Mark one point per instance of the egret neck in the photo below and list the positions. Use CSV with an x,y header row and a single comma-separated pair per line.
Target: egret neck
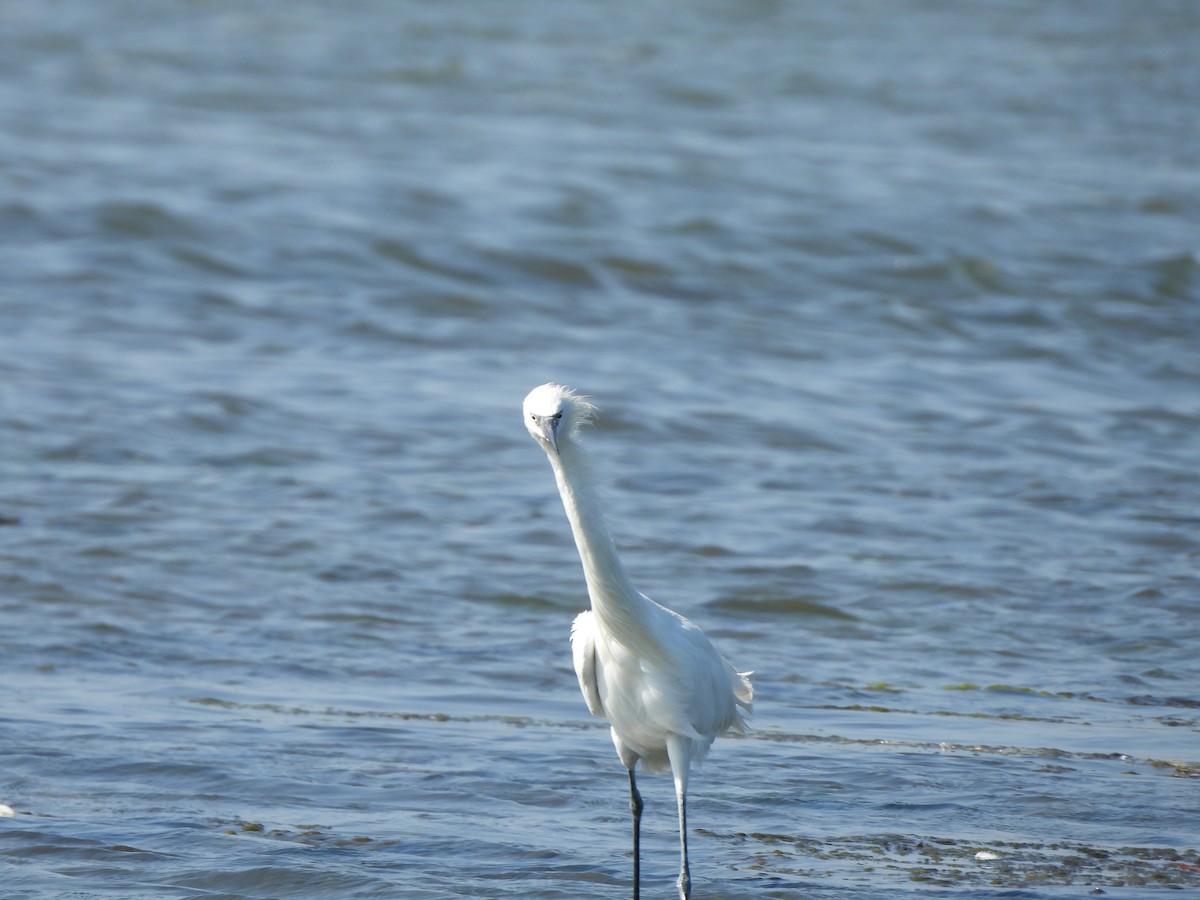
x,y
622,610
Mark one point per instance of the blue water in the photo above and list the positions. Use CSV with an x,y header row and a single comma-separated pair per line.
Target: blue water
x,y
892,315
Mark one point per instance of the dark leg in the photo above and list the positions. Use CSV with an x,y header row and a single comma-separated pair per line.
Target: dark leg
x,y
635,807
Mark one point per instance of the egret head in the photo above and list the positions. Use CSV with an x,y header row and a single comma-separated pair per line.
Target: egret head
x,y
554,414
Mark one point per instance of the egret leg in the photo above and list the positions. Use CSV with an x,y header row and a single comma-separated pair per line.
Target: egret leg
x,y
635,807
679,749
685,877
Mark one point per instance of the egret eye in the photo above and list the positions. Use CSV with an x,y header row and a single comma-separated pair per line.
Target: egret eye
x,y
558,415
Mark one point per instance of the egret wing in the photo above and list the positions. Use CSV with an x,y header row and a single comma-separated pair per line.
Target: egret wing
x,y
583,651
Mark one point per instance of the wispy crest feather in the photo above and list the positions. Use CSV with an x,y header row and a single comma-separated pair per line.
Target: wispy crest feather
x,y
577,410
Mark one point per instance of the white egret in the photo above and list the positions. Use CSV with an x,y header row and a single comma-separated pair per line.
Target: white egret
x,y
656,678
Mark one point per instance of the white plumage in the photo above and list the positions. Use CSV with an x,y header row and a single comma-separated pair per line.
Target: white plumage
x,y
656,678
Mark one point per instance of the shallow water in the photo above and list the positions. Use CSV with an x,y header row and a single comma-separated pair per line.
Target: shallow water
x,y
892,314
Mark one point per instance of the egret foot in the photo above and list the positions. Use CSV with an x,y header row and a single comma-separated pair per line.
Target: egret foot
x,y
685,885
